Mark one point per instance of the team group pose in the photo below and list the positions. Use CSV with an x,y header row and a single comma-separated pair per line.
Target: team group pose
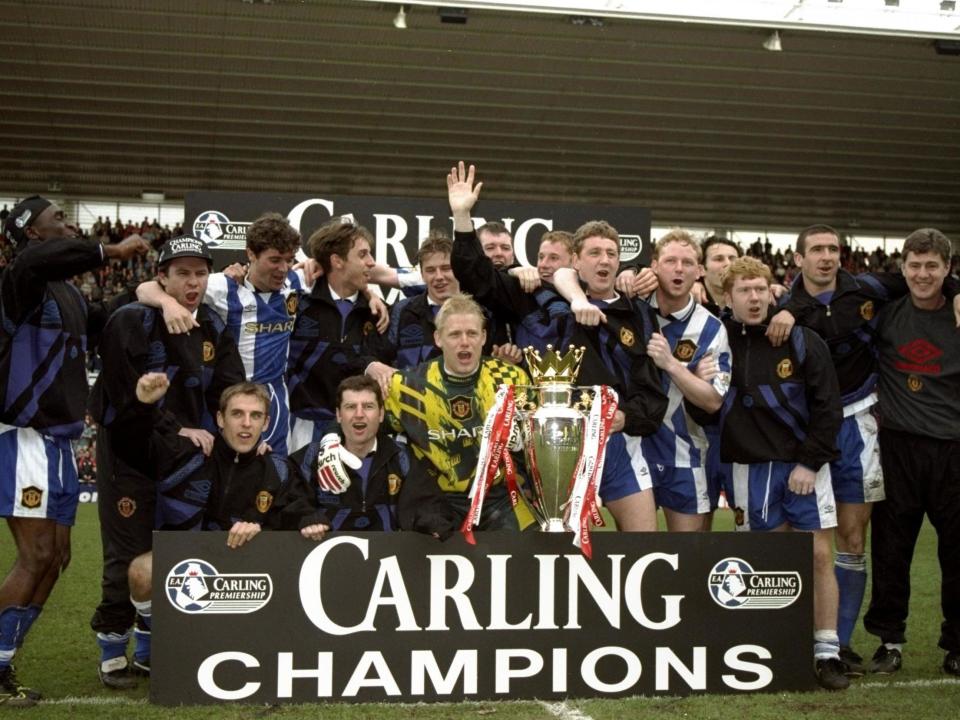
x,y
275,397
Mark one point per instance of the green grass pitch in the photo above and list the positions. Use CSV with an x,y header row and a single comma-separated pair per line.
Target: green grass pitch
x,y
60,658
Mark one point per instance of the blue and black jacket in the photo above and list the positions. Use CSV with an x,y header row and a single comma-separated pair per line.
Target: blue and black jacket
x,y
195,492
616,355
537,319
44,324
848,323
324,350
784,402
200,365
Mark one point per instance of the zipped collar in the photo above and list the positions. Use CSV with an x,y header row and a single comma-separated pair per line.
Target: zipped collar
x,y
226,453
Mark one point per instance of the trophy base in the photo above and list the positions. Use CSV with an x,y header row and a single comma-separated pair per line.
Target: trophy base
x,y
553,525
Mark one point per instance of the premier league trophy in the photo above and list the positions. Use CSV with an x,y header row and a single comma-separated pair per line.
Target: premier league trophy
x,y
563,429
552,414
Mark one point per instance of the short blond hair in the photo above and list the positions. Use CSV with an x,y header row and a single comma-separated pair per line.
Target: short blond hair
x,y
677,235
459,304
746,268
245,388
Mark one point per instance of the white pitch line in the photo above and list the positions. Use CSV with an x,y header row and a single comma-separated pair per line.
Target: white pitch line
x,y
558,710
563,711
93,700
905,683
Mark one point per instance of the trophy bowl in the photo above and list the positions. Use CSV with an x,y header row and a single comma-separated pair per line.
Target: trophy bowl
x,y
552,430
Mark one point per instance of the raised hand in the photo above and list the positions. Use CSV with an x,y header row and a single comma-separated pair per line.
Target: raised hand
x,y
461,191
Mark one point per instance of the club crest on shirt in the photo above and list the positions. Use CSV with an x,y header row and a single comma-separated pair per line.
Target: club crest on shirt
x,y
784,368
460,407
31,497
367,327
208,351
867,310
914,383
393,483
126,506
627,337
264,501
685,350
291,303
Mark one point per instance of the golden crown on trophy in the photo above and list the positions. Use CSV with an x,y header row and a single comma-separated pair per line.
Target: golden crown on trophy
x,y
553,367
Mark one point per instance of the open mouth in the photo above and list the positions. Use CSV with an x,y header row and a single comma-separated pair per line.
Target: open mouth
x,y
359,427
464,356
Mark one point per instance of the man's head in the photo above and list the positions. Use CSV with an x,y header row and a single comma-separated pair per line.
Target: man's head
x,y
460,334
746,290
676,261
359,410
596,248
497,244
183,270
926,262
243,415
35,219
556,251
818,257
272,243
718,253
435,269
343,251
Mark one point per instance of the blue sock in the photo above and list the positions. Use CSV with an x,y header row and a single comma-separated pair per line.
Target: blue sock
x,y
29,618
112,645
851,572
11,637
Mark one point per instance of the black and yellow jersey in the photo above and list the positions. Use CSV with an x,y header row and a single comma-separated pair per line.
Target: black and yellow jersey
x,y
442,415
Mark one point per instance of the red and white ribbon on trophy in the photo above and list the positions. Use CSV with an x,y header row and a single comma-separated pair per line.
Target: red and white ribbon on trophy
x,y
582,509
582,502
493,452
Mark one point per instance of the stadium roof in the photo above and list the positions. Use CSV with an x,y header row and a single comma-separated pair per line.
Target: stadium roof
x,y
695,120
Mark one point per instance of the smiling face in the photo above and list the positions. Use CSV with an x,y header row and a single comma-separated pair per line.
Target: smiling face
x,y
242,422
51,223
819,262
498,247
354,270
597,264
749,299
550,257
359,416
268,270
437,273
677,268
925,273
185,280
461,340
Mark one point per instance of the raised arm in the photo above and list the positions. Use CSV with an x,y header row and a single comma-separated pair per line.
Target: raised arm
x,y
567,283
176,317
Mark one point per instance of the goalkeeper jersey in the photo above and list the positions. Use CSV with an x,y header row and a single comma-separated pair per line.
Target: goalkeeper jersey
x,y
442,416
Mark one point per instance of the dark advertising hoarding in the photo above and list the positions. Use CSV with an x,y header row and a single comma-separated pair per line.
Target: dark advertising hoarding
x,y
403,617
